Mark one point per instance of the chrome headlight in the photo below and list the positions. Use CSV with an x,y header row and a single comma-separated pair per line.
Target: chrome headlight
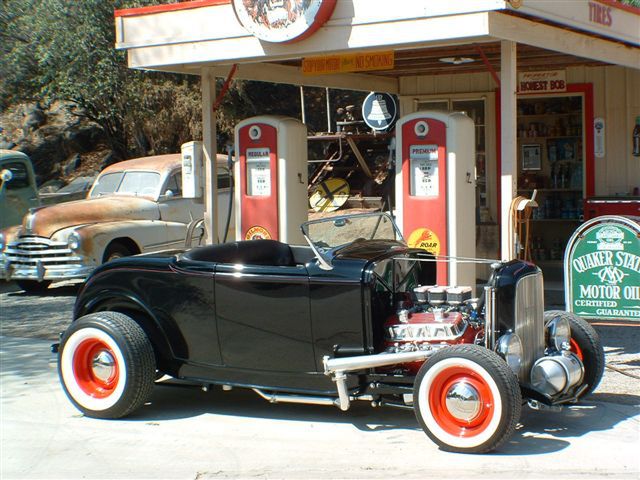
x,y
74,241
509,347
559,333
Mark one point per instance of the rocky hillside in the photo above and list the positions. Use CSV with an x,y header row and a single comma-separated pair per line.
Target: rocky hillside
x,y
60,144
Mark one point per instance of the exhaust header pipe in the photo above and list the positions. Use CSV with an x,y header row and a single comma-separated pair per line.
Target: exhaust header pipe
x,y
339,366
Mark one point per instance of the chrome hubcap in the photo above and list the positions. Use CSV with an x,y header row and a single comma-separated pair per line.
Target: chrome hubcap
x,y
103,366
463,401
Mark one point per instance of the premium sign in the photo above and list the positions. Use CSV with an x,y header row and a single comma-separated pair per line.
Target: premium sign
x,y
603,266
542,82
357,62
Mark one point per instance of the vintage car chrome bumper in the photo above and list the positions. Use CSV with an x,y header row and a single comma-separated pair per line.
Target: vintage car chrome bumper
x,y
38,258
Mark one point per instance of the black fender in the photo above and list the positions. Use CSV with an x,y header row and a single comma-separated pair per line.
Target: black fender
x,y
168,343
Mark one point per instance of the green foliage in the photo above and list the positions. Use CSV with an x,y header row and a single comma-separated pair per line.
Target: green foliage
x,y
61,50
57,50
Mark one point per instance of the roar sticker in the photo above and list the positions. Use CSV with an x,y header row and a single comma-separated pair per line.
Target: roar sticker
x,y
425,239
257,233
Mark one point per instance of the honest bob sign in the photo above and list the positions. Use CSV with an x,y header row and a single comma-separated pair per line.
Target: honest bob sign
x,y
548,81
602,269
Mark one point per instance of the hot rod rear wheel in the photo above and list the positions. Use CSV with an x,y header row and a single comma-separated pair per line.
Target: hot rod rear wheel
x,y
106,365
586,344
467,399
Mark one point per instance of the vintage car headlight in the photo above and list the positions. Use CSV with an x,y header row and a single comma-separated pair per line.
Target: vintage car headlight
x,y
73,241
509,347
559,333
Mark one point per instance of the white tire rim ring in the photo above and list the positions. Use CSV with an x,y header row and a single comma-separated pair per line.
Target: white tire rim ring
x,y
69,377
431,422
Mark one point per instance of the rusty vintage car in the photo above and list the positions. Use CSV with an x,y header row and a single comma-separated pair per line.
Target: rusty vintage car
x,y
135,206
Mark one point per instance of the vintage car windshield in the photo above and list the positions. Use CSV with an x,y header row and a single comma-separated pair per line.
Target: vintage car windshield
x,y
329,234
20,178
127,183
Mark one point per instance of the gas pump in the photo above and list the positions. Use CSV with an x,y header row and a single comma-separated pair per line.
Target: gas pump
x,y
435,189
191,169
271,179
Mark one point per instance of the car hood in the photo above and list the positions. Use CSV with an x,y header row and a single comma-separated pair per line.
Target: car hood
x,y
45,221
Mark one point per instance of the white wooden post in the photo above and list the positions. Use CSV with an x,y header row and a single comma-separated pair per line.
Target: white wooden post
x,y
209,156
508,130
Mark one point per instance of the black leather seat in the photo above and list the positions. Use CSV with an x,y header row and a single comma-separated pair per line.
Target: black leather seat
x,y
250,252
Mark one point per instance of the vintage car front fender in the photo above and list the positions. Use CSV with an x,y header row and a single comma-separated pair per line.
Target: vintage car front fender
x,y
147,235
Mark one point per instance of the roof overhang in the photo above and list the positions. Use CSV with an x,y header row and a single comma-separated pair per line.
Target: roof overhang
x,y
189,36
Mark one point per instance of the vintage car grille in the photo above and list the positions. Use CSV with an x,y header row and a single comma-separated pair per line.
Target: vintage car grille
x,y
28,251
529,321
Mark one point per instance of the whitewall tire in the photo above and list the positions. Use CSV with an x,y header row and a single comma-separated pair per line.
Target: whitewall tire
x,y
106,365
467,399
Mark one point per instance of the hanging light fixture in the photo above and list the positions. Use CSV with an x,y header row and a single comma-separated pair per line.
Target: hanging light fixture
x,y
457,60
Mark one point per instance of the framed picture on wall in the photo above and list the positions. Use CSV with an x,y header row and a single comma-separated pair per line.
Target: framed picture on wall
x,y
531,156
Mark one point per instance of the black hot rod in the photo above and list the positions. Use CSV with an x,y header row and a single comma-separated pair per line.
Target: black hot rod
x,y
356,315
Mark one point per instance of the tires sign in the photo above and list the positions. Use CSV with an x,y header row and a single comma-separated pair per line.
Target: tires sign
x,y
602,269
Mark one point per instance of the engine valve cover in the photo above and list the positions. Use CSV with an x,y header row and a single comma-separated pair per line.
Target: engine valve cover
x,y
423,327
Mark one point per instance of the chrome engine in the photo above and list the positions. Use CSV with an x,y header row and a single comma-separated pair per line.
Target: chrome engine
x,y
437,316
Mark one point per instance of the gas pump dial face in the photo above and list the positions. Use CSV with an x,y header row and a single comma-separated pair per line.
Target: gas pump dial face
x,y
258,172
424,170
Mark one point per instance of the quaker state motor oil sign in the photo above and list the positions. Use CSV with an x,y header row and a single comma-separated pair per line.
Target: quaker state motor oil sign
x,y
602,269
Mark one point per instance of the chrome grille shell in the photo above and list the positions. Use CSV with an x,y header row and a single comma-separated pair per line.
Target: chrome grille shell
x,y
38,258
529,321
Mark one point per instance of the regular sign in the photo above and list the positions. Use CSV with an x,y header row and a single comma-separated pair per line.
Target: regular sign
x,y
602,269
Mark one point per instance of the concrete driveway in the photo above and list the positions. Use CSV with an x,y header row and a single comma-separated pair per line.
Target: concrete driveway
x,y
186,433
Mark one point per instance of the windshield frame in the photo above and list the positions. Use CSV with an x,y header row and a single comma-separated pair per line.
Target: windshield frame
x,y
326,254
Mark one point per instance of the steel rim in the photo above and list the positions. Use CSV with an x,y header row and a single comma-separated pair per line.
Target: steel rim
x,y
450,420
575,348
95,368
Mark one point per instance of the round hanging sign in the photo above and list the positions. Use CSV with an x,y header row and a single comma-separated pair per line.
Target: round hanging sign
x,y
282,21
379,110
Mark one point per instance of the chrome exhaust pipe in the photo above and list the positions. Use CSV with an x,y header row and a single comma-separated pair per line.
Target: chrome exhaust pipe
x,y
280,398
349,364
339,366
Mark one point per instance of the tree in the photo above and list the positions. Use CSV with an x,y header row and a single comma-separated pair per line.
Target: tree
x,y
56,50
60,50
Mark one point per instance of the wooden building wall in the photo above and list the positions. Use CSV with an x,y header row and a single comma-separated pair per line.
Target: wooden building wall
x,y
616,92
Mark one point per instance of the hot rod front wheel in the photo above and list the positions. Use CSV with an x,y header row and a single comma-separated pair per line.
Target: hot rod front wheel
x,y
106,365
586,345
467,399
